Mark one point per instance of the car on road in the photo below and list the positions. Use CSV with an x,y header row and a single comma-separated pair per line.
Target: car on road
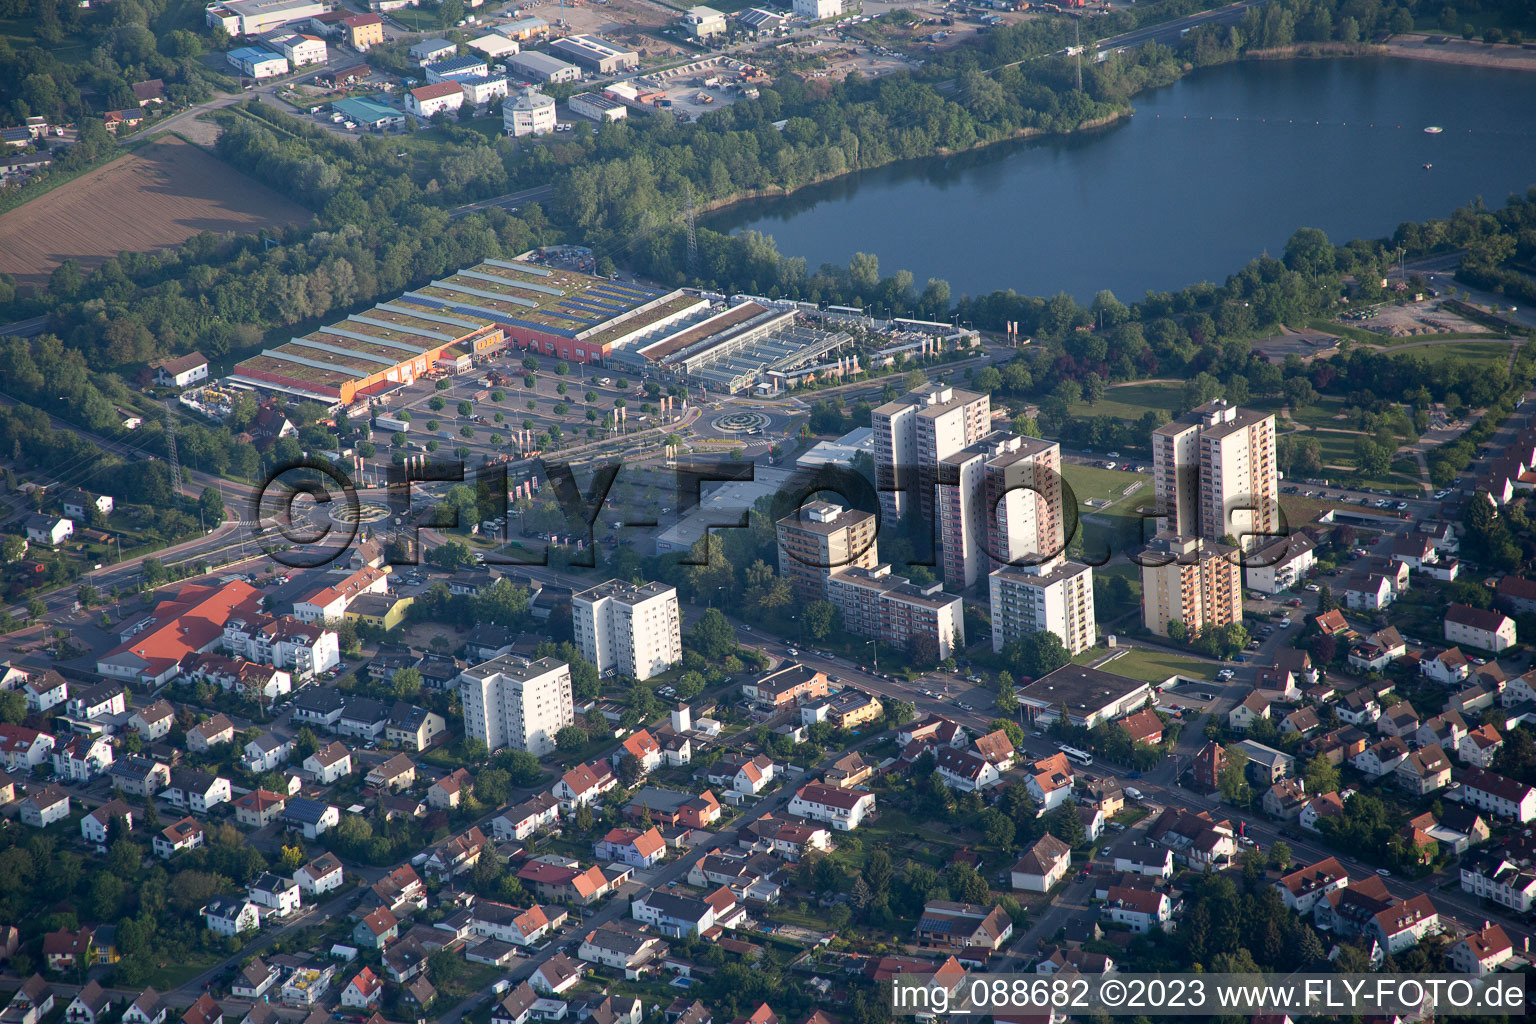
x,y
1384,873
1133,774
1224,675
1311,588
1285,623
791,652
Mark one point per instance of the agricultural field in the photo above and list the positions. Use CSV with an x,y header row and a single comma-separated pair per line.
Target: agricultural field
x,y
160,195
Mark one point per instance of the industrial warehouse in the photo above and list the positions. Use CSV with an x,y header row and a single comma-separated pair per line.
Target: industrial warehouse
x,y
562,313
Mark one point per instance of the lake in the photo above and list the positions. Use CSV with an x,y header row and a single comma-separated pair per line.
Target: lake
x,y
1210,172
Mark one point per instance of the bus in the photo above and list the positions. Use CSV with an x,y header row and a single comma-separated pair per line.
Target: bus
x,y
1082,757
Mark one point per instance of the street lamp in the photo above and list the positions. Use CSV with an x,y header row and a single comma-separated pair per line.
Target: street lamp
x,y
876,645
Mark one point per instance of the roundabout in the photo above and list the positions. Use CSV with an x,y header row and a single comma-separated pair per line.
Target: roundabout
x,y
741,422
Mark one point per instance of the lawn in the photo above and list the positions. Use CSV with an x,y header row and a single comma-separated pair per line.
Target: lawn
x,y
1155,665
1133,401
1491,353
169,976
1321,413
1090,483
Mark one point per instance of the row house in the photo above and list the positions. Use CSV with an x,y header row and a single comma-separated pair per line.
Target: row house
x,y
555,882
1500,796
303,649
1495,876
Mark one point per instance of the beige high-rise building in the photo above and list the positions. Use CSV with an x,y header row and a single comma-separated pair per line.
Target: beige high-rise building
x,y
821,539
1191,580
634,629
1214,474
999,502
1054,597
916,431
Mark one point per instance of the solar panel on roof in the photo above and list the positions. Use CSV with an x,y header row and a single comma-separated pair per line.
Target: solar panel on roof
x,y
547,328
594,307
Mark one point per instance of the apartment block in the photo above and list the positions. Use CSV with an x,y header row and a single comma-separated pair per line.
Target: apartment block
x,y
1191,580
913,433
510,703
1055,596
877,603
821,539
635,630
1214,474
998,501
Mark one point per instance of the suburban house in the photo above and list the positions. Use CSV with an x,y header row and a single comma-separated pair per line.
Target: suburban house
x,y
329,763
843,809
1044,864
1480,628
186,834
639,849
1498,795
1141,909
964,926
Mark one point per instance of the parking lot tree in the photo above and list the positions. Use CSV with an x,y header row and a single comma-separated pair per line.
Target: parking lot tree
x,y
590,396
690,685
466,408
562,388
451,555
622,383
498,395
437,403
367,449
443,385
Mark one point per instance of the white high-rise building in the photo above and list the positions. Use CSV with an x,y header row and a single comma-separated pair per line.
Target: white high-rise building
x,y
1214,473
1055,596
516,705
636,630
999,502
913,433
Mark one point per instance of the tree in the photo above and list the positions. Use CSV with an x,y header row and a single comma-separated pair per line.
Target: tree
x,y
524,768
1320,775
1035,654
818,618
11,548
713,636
405,683
493,784
1177,631
1233,779
13,707
1007,699
211,504
570,739
1280,854
1325,599
1064,824
631,771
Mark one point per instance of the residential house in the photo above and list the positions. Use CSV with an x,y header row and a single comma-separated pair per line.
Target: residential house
x,y
227,915
843,809
1324,805
255,980
1479,628
64,949
613,946
82,758
154,721
1479,747
965,771
96,826
1249,710
1380,758
1142,726
259,808
1400,720
673,914
204,736
1404,924
517,925
1044,863
89,703
377,929
640,849
396,774
1049,782
964,926
744,774
312,818
329,763
1196,839
584,784
1285,800
457,855
196,791
276,895
642,746
139,776
363,991
1375,651
1154,860
1358,707
1481,952
44,805
522,821
1302,888
320,875
266,753
848,771
1424,771
556,976
1500,796
1449,667
186,834
90,1005
1141,909
413,727
445,793
148,1008
1500,878
516,1007
44,691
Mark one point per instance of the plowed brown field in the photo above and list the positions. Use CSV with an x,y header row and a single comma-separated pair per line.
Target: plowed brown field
x,y
158,196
